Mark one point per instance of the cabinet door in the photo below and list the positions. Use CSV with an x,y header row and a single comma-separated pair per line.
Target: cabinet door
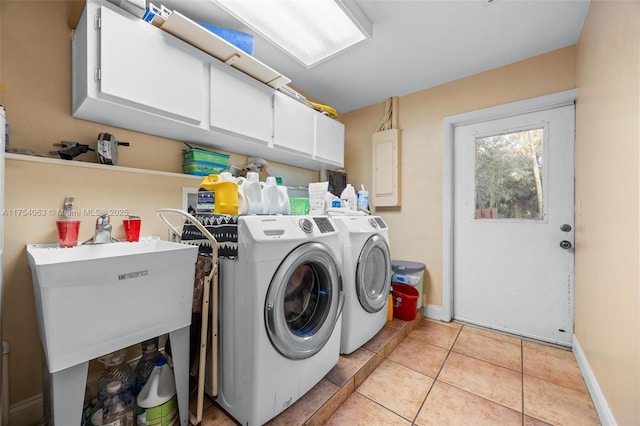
x,y
142,66
240,107
293,125
329,142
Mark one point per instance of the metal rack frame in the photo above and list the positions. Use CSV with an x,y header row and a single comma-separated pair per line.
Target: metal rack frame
x,y
210,291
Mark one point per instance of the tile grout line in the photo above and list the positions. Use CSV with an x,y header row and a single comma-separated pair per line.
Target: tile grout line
x,y
398,330
413,422
491,362
488,362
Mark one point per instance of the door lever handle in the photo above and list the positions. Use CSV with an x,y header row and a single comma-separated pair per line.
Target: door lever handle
x,y
565,244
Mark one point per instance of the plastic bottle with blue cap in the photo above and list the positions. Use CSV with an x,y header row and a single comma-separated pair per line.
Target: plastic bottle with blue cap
x,y
363,199
157,403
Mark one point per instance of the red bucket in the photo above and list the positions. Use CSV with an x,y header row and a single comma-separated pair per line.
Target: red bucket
x,y
405,301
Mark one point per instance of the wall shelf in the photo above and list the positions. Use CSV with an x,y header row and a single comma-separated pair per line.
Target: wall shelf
x,y
82,164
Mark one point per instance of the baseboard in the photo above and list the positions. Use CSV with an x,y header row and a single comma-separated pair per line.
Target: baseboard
x,y
433,312
599,401
27,412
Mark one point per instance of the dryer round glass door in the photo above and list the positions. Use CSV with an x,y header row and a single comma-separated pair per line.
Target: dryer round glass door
x,y
304,301
373,274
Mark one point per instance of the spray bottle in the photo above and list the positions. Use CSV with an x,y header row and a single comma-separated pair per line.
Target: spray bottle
x,y
363,199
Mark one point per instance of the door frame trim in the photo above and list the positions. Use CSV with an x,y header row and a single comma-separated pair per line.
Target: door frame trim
x,y
449,124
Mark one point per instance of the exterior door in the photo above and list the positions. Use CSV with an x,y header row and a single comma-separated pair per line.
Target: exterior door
x,y
304,301
513,260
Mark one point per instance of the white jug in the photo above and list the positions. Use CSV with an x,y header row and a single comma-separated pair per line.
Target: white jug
x,y
284,207
157,399
253,194
243,205
226,176
274,199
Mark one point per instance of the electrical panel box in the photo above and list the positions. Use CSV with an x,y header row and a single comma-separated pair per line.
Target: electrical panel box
x,y
386,168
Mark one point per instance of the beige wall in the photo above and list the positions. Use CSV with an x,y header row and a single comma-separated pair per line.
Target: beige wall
x,y
416,226
607,202
44,186
35,70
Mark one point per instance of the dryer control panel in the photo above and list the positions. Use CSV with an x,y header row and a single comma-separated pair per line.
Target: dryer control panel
x,y
324,224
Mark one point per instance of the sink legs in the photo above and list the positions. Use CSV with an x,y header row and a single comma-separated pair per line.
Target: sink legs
x,y
180,354
66,387
67,394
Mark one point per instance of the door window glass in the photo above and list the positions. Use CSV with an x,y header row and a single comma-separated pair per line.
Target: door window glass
x,y
508,175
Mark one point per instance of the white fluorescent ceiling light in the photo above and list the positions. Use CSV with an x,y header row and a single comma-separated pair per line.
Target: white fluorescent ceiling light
x,y
311,31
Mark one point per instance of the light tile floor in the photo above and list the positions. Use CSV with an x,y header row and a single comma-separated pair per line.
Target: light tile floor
x,y
427,372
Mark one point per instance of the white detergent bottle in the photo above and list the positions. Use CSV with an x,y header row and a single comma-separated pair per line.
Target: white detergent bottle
x,y
243,205
253,194
271,196
157,402
283,205
349,199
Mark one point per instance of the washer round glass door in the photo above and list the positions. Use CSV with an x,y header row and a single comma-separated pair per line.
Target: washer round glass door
x,y
304,301
373,274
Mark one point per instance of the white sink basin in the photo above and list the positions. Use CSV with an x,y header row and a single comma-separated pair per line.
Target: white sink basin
x,y
93,299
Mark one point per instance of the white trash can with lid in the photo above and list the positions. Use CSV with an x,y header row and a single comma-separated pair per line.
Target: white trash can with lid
x,y
411,273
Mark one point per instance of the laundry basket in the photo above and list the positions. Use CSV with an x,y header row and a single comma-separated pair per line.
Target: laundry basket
x,y
405,301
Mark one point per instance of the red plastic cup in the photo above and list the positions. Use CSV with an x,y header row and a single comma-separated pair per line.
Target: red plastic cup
x,y
68,232
132,229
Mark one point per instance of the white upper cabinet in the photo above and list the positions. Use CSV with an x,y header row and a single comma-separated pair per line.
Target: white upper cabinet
x,y
148,70
293,124
240,106
329,141
130,74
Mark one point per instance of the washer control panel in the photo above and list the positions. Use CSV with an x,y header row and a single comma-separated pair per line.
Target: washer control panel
x,y
306,225
324,224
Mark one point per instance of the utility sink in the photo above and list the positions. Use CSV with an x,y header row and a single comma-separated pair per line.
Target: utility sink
x,y
94,299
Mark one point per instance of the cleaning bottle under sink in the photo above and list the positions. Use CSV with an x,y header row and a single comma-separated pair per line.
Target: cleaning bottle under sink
x,y
157,404
116,369
117,408
146,364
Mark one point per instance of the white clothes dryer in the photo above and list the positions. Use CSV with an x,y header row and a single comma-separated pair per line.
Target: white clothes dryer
x,y
280,314
366,275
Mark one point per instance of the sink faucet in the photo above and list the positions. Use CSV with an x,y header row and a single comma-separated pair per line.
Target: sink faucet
x,y
103,231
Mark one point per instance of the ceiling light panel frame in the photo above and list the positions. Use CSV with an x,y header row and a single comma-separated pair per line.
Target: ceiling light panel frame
x,y
308,36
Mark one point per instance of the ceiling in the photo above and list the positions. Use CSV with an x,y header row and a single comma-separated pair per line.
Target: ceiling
x,y
417,44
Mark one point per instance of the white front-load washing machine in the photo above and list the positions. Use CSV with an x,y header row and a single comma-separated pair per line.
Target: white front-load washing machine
x,y
366,276
280,314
